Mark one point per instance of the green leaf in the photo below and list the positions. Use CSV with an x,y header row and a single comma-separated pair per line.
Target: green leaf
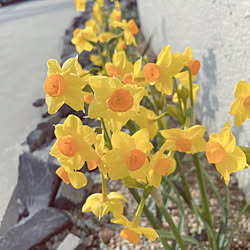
x,y
170,236
223,225
236,225
173,111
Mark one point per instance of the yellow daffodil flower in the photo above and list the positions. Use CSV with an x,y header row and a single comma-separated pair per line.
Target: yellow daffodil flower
x,y
223,152
73,145
82,38
240,108
161,73
113,101
129,155
145,119
189,140
160,165
80,5
100,205
132,232
119,66
194,65
63,85
130,29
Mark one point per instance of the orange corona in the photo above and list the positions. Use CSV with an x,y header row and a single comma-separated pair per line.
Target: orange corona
x,y
152,72
135,159
54,85
68,145
120,101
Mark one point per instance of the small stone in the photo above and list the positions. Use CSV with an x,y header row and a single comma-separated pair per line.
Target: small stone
x,y
39,102
70,242
68,197
35,183
35,229
105,234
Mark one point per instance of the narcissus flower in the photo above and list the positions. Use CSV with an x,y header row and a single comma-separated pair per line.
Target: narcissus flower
x,y
145,119
119,66
161,73
190,140
194,65
240,108
132,232
129,155
80,5
82,38
130,29
100,205
223,152
160,165
115,102
63,85
73,145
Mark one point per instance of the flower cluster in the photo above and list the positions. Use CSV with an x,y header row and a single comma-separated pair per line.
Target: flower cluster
x,y
131,96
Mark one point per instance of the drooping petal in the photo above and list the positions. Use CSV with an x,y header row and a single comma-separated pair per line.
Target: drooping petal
x,y
77,179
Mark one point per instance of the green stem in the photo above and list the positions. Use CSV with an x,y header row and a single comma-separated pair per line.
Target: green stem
x,y
132,127
106,135
139,211
172,227
191,88
153,96
178,95
149,216
183,178
204,199
104,188
148,213
161,116
99,50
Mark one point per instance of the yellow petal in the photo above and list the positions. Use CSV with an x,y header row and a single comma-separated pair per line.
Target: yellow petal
x,y
122,140
53,67
242,88
154,177
141,138
164,58
150,233
115,195
177,64
77,179
54,103
164,84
